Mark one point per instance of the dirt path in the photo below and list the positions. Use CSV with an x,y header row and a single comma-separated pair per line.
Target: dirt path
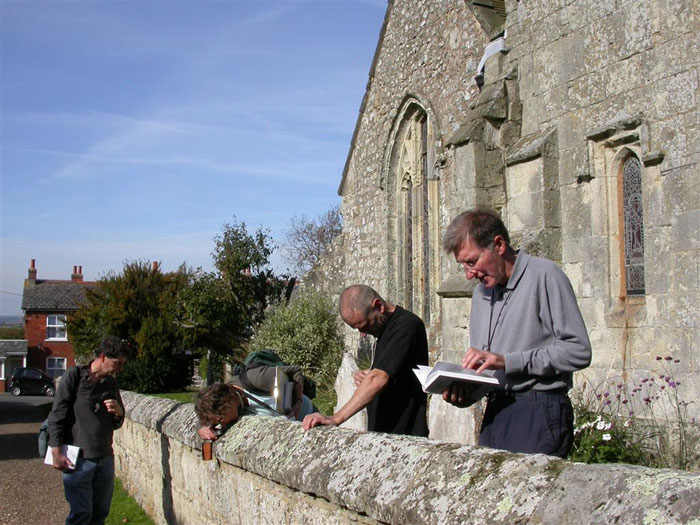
x,y
30,492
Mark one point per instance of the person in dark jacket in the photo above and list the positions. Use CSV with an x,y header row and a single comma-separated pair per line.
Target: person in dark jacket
x,y
86,411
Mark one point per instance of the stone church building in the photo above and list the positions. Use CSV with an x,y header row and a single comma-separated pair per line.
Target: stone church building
x,y
578,121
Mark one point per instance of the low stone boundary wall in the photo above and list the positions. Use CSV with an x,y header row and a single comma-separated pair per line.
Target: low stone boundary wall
x,y
268,470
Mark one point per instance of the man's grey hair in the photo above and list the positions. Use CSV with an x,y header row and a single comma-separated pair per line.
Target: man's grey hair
x,y
357,298
480,225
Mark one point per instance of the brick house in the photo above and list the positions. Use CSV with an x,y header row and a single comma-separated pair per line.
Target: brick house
x,y
46,304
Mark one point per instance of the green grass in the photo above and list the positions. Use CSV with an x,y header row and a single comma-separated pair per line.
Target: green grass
x,y
124,509
182,397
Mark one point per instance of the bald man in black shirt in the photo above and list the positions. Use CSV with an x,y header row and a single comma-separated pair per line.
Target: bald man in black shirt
x,y
395,402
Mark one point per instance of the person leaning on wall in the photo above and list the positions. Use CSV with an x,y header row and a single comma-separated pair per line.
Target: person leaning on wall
x,y
395,401
249,392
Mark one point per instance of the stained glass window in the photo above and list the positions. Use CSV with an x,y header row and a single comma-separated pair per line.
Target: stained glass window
x,y
634,226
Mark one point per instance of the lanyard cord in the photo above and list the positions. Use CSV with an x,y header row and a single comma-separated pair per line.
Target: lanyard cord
x,y
498,317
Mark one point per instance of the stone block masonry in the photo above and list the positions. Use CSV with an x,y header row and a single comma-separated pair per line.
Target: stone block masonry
x,y
268,470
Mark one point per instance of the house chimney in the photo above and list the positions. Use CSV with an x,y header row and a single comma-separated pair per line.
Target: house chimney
x,y
31,278
77,275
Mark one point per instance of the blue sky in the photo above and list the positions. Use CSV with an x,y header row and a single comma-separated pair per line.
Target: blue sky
x,y
137,129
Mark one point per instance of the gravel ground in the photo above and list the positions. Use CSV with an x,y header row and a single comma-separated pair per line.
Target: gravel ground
x,y
30,492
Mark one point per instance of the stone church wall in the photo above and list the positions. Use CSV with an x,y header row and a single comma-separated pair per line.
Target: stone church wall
x,y
608,78
268,470
579,87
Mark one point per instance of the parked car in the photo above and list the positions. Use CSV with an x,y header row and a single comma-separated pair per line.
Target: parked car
x,y
31,381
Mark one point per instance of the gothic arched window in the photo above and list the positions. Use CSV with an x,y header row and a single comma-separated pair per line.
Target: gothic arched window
x,y
633,225
415,220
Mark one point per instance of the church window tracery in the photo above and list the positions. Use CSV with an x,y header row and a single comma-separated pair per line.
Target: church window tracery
x,y
633,219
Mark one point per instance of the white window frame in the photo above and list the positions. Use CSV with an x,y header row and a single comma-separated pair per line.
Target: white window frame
x,y
59,324
51,371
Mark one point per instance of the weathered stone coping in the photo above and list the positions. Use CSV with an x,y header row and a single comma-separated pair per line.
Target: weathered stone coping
x,y
398,479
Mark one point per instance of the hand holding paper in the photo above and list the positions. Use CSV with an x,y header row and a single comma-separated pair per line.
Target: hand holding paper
x,y
64,457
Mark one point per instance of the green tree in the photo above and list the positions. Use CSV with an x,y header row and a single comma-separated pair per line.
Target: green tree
x,y
208,317
220,310
139,305
162,314
241,259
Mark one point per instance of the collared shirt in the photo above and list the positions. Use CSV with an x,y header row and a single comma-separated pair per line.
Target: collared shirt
x,y
533,321
79,416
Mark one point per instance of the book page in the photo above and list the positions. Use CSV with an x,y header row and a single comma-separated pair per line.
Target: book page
x,y
422,373
70,451
445,369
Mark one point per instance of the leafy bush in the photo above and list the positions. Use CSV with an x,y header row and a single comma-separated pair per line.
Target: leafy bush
x,y
306,332
643,422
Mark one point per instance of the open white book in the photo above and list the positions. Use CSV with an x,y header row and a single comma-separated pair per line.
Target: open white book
x,y
70,451
436,379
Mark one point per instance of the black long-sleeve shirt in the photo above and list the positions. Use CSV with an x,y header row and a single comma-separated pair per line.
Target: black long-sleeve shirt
x,y
79,416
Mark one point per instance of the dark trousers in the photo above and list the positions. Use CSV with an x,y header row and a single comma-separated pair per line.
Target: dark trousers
x,y
88,490
530,422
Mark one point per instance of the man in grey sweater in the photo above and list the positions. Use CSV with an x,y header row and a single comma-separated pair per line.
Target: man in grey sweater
x,y
525,324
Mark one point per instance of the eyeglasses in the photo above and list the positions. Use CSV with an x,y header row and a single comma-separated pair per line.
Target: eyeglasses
x,y
471,263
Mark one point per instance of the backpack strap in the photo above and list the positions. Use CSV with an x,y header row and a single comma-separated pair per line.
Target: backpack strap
x,y
251,397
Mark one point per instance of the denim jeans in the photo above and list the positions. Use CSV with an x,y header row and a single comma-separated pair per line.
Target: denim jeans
x,y
88,490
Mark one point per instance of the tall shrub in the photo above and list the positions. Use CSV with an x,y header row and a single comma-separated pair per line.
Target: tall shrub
x,y
305,332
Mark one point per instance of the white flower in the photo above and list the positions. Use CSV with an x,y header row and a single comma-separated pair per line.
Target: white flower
x,y
607,437
628,423
602,425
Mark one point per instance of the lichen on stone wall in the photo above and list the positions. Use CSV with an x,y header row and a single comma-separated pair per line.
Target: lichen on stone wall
x,y
272,470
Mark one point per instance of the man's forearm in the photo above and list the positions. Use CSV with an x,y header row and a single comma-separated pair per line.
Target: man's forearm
x,y
372,384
